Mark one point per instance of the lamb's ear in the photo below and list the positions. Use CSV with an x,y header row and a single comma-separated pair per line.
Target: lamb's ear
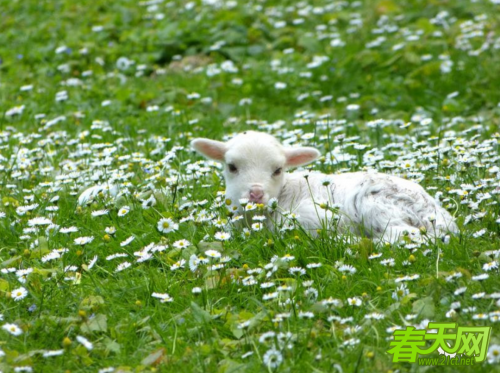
x,y
300,156
210,148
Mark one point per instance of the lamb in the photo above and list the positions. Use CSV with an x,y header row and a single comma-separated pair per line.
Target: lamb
x,y
375,205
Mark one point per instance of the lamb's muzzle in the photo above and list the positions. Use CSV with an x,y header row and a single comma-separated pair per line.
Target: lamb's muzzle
x,y
256,193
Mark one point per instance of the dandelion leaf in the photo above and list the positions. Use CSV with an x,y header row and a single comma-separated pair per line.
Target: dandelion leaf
x,y
154,358
99,323
424,307
200,314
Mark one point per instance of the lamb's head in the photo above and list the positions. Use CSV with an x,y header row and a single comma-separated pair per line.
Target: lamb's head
x,y
254,164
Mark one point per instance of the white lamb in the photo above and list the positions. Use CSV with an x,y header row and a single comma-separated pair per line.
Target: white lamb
x,y
370,204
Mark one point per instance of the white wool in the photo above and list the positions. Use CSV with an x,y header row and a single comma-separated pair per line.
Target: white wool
x,y
369,204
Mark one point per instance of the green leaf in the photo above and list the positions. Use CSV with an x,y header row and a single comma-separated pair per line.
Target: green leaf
x,y
42,249
483,258
200,314
4,285
424,307
43,245
174,253
205,246
91,302
45,272
9,262
99,323
319,307
154,358
231,366
112,345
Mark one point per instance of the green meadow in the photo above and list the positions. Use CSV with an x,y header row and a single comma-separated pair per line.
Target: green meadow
x,y
156,273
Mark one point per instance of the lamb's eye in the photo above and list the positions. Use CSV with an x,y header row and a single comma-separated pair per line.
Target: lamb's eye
x,y
232,168
277,172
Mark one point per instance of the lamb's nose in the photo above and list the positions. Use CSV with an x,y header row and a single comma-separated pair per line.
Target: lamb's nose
x,y
256,194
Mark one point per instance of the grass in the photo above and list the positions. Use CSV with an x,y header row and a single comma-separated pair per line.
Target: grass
x,y
409,88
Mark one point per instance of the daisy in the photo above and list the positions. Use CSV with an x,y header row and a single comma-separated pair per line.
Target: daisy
x,y
216,267
51,353
127,241
351,342
68,230
388,262
244,324
270,296
12,329
19,294
347,268
123,211
245,233
181,244
92,262
83,240
52,229
250,206
225,259
313,265
306,315
193,263
257,226
110,230
272,358
222,236
491,265
22,274
99,213
355,301
272,204
375,316
259,218
39,221
85,342
479,233
297,270
249,281
213,254
164,297
122,266
114,256
280,85
151,201
450,314
177,265
167,225
265,337
267,285
494,354
401,292
284,288
480,277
